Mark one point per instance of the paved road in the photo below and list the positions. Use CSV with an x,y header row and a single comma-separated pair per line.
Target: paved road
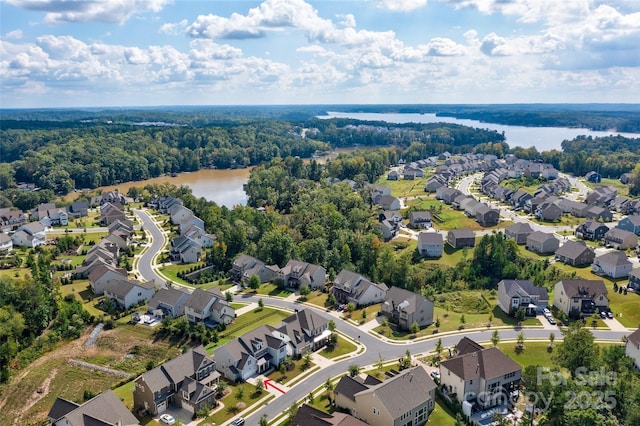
x,y
157,242
375,347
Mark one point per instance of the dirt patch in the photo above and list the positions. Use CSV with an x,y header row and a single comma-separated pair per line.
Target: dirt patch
x,y
40,393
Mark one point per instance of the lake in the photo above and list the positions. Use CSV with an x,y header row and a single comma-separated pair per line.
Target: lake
x,y
543,138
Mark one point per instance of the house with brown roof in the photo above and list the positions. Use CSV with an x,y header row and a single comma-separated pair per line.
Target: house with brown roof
x,y
127,293
483,377
388,202
188,382
309,416
350,287
208,306
460,238
591,230
620,239
613,264
11,218
577,297
575,253
109,213
542,243
168,302
104,274
245,266
519,232
406,398
296,273
105,409
404,307
632,347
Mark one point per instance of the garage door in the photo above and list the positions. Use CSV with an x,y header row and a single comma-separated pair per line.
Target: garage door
x,y
162,406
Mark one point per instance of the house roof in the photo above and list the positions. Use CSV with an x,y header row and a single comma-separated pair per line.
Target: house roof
x,y
519,228
420,216
104,409
309,416
635,338
592,225
430,238
169,296
540,236
462,233
523,288
614,258
634,219
196,390
572,249
486,363
403,392
60,408
403,299
120,288
618,233
575,288
466,346
175,370
101,270
348,386
199,299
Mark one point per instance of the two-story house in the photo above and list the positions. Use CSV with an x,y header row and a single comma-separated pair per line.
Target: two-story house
x,y
632,347
591,230
169,301
126,293
634,280
296,273
350,287
245,266
519,232
577,297
420,220
516,294
304,331
430,244
209,306
620,239
404,399
484,377
404,307
105,409
31,234
460,238
104,274
542,243
575,253
188,382
630,223
613,264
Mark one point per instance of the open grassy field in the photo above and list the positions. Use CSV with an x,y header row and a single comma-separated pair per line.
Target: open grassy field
x,y
535,352
405,188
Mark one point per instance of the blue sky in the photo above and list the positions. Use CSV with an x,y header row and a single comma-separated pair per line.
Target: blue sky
x,y
66,53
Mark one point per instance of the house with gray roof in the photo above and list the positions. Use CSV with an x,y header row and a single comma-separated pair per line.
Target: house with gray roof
x,y
591,230
548,212
6,245
430,244
185,250
599,213
620,239
613,264
516,294
245,266
387,202
127,293
350,287
634,280
304,331
519,232
208,306
484,378
104,274
575,253
632,347
105,409
542,243
487,216
31,234
188,381
460,238
109,213
420,220
578,297
307,415
168,302
630,223
404,307
406,398
296,273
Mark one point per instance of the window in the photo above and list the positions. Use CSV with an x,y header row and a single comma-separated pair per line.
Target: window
x,y
510,375
376,411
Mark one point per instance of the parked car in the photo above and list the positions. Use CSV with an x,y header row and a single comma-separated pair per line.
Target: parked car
x,y
546,311
167,419
435,374
551,320
237,422
609,314
603,315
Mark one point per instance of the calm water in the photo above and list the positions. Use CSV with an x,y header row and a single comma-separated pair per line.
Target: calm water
x,y
543,138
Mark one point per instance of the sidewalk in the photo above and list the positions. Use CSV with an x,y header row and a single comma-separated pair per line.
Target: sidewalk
x,y
614,325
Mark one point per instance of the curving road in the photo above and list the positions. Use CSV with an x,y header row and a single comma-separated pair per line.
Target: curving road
x,y
375,347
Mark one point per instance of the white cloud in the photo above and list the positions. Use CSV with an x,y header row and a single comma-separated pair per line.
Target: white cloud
x,y
173,28
347,20
401,5
112,11
13,35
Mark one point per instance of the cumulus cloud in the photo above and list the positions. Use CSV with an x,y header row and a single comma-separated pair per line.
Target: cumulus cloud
x,y
401,5
173,28
13,35
112,11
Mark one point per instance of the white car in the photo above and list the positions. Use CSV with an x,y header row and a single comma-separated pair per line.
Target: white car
x,y
167,419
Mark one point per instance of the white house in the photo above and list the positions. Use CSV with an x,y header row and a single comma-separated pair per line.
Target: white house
x,y
128,293
31,234
430,244
632,348
613,264
6,245
208,306
349,287
104,274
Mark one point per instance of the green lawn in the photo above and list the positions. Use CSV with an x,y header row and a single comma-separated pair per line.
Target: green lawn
x,y
233,404
405,188
296,370
171,272
269,289
535,353
343,347
441,415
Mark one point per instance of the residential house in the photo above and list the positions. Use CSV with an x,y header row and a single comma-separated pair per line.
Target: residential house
x,y
165,203
105,409
620,239
601,196
124,226
447,194
31,234
420,219
434,183
404,399
393,175
255,352
296,273
198,235
430,244
634,280
304,331
630,223
349,287
593,177
103,253
78,209
126,293
6,245
577,297
516,294
599,213
178,213
378,191
483,377
109,213
591,230
486,216
245,266
542,243
113,197
632,347
579,209
188,381
388,229
519,198
548,212
306,415
56,216
575,253
190,221
185,250
208,306
104,274
613,264
394,217
404,308
387,202
459,238
519,232
10,219
626,178
168,302
119,239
